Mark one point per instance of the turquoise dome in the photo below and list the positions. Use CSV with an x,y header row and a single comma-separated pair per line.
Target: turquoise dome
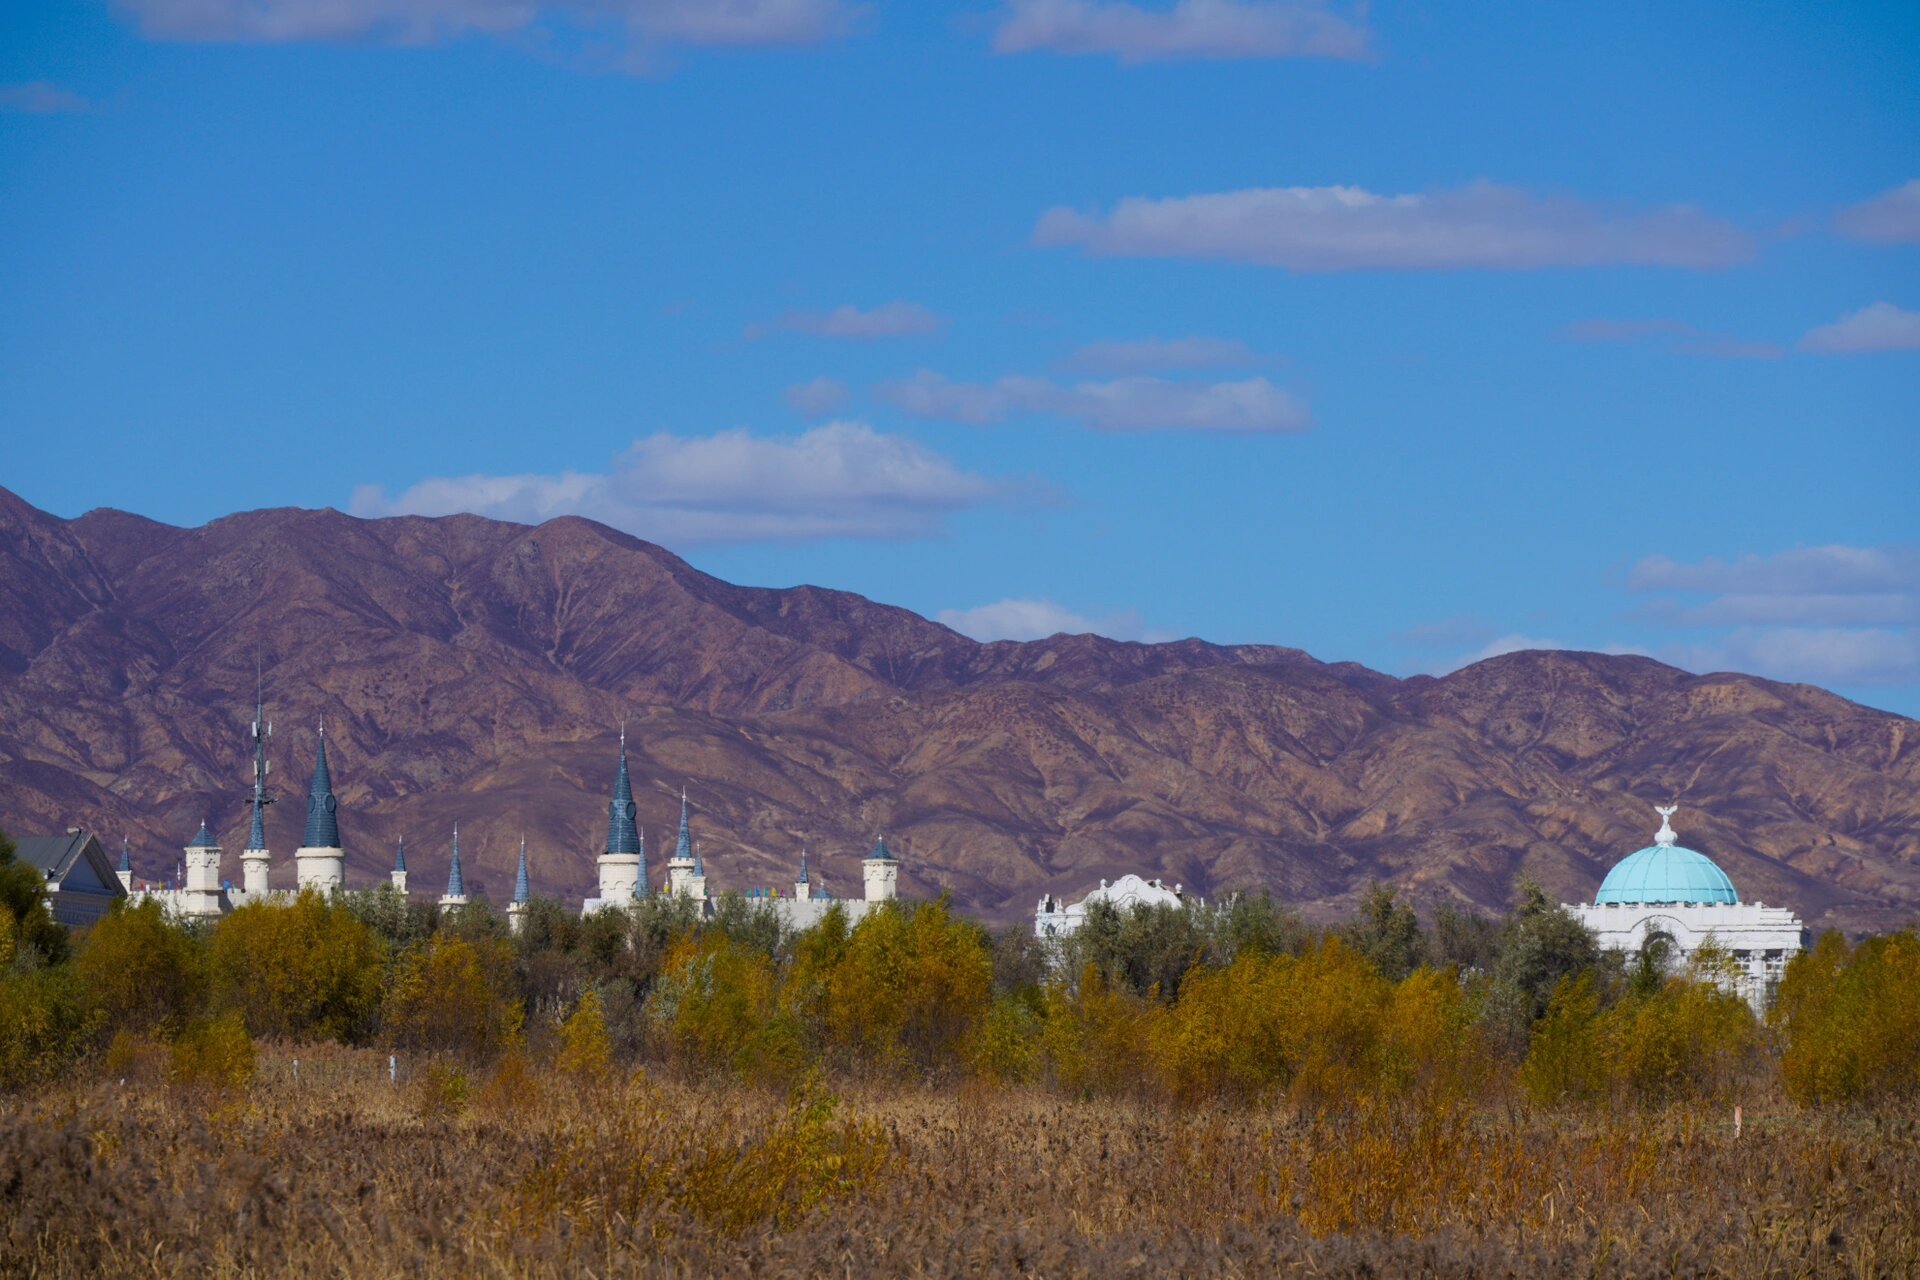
x,y
1666,873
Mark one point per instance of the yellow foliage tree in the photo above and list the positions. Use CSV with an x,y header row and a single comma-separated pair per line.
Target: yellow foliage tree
x,y
141,972
586,1051
305,968
1565,1063
717,1000
1850,1017
911,986
456,995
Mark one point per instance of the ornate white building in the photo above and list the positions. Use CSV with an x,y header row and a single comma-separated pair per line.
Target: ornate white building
x,y
1056,919
1675,899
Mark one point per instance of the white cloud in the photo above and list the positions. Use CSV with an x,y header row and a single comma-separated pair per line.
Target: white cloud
x,y
1252,406
841,480
1819,571
1516,642
889,320
1820,655
38,98
817,398
1833,614
1680,338
1149,355
1892,217
1029,619
1879,327
1135,33
645,22
1348,229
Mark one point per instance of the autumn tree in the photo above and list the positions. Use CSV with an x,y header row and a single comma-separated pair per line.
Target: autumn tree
x,y
455,995
141,971
304,968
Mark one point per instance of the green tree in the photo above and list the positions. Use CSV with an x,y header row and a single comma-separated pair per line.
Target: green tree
x,y
1386,932
27,925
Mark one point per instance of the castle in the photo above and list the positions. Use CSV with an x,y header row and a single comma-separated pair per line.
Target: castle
x,y
320,861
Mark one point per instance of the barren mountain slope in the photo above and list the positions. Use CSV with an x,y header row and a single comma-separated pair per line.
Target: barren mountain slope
x,y
478,671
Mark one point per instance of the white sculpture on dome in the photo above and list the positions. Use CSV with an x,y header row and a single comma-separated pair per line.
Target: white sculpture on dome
x,y
1666,834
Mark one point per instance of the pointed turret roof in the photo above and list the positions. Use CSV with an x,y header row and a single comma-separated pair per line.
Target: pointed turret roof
x,y
622,835
203,838
880,852
803,866
400,855
456,883
323,829
126,856
521,889
683,847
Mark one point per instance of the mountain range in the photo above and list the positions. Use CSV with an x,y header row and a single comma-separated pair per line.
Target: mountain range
x,y
480,672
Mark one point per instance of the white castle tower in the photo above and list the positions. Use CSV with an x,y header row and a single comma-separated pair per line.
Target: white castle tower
x,y
623,863
803,887
126,866
200,898
320,863
254,859
882,872
399,872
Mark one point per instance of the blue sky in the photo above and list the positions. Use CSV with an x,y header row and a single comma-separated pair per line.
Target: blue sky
x,y
1402,334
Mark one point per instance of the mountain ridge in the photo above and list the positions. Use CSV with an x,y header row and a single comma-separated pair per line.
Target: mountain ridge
x,y
475,670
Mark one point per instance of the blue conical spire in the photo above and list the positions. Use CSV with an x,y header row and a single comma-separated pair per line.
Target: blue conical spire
x,y
622,835
203,838
521,889
456,883
126,856
683,848
257,833
400,855
803,866
323,829
880,851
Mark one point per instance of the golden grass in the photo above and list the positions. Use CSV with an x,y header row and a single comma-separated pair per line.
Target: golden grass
x,y
542,1174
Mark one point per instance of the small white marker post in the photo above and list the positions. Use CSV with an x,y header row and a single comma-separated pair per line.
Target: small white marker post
x,y
296,1071
393,1069
1736,1124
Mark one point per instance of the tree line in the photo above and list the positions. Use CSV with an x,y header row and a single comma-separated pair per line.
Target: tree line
x,y
1235,1000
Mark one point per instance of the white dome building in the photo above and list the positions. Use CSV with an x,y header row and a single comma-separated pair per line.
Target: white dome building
x,y
1666,895
1056,919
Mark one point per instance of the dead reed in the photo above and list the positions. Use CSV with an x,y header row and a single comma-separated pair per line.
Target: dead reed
x,y
528,1171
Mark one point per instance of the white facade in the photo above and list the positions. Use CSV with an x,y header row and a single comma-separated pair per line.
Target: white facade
x,y
323,870
1055,918
1759,939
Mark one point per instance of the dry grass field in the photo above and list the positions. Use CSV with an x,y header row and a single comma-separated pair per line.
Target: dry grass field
x,y
534,1172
